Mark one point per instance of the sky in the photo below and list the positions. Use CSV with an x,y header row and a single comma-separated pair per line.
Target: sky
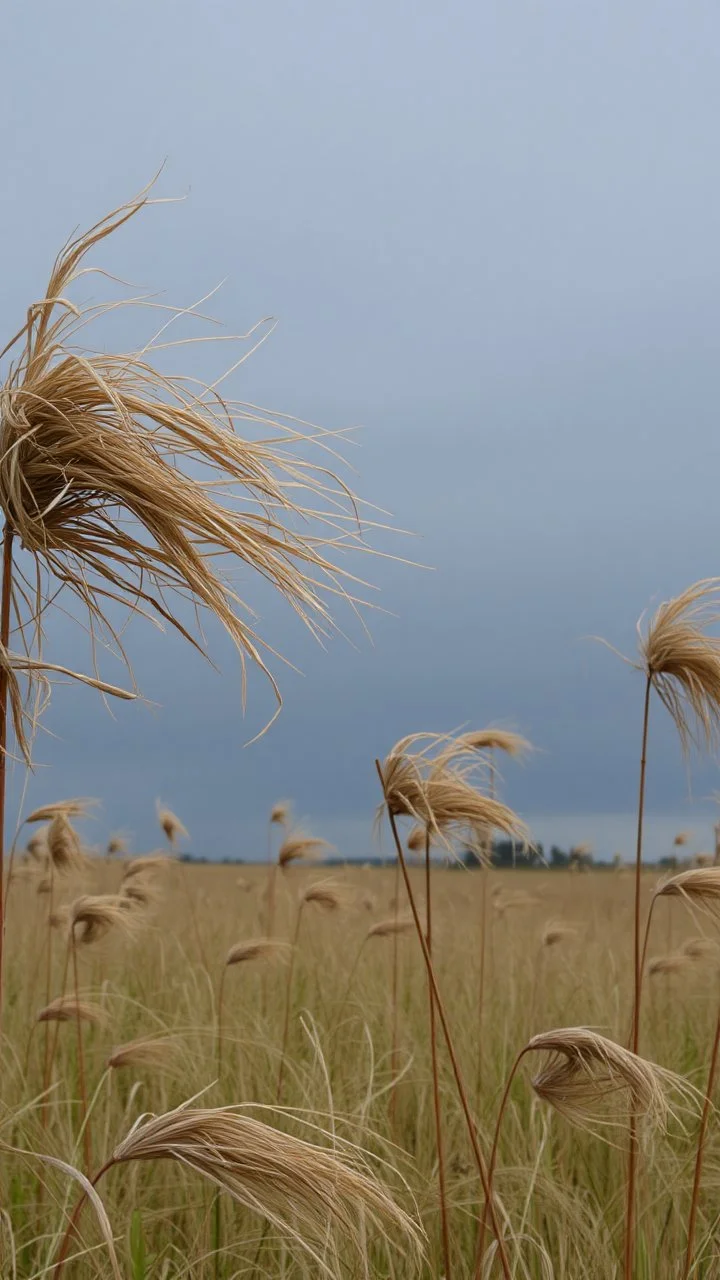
x,y
488,234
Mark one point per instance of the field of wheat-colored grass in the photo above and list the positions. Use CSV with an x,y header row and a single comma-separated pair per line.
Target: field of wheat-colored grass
x,y
557,954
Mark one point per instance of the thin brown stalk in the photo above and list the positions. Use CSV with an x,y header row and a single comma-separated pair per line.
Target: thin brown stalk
x,y
702,1135
288,1001
53,1048
85,1121
221,993
484,872
243,953
629,1248
193,915
48,974
392,1102
480,1246
444,1224
5,601
457,1073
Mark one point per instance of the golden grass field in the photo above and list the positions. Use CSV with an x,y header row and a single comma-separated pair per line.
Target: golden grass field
x,y
561,1190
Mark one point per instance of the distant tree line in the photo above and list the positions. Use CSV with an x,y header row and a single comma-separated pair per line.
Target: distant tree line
x,y
507,853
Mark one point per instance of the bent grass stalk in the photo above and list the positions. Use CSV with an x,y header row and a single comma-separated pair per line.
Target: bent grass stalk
x,y
87,1145
444,1224
5,602
633,1149
702,1136
394,1016
288,1001
457,1073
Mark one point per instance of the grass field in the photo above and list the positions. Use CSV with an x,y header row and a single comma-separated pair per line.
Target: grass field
x,y
557,954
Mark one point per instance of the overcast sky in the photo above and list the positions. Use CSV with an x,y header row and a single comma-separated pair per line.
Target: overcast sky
x,y
489,233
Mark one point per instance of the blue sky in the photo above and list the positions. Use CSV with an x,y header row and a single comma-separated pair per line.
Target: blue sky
x,y
489,235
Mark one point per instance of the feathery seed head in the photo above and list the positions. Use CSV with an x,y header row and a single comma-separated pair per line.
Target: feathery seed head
x,y
699,949
674,962
92,916
513,744
67,1009
62,808
158,1054
125,484
299,847
258,949
37,846
64,846
681,839
146,865
139,892
416,839
698,886
280,812
428,777
682,659
280,1176
584,1072
386,928
514,901
555,932
171,825
327,894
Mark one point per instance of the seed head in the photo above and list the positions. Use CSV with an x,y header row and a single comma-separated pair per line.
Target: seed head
x,y
385,928
159,1054
171,825
62,808
698,886
428,777
67,1009
699,949
300,847
556,932
682,659
327,894
584,1072
64,846
37,846
287,1180
258,949
92,916
147,865
126,485
139,892
674,962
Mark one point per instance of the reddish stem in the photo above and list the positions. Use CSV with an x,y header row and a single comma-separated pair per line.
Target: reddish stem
x,y
444,1225
629,1251
459,1081
707,1108
5,602
288,1001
